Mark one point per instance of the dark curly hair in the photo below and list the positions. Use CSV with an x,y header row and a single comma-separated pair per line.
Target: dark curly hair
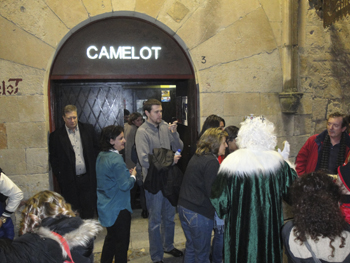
x,y
315,200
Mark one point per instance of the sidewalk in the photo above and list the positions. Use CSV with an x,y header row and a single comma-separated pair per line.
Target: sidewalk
x,y
139,246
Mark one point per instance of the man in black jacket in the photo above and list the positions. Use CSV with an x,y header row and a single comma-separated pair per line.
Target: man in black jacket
x,y
73,150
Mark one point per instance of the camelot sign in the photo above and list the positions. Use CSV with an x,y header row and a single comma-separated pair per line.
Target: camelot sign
x,y
123,52
121,48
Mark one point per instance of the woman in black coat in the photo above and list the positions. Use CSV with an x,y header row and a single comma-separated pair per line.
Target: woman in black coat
x,y
50,232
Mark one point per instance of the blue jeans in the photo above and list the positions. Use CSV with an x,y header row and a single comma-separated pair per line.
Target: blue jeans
x,y
197,229
217,246
161,225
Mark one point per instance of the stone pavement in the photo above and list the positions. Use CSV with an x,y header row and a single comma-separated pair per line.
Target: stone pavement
x,y
139,246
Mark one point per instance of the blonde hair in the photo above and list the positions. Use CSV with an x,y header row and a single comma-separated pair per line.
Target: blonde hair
x,y
210,141
42,205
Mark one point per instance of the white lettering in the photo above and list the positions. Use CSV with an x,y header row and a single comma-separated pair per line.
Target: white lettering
x,y
149,52
127,52
88,52
123,52
112,53
133,54
103,53
156,51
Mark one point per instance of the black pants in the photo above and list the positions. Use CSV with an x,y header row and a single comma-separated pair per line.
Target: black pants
x,y
117,239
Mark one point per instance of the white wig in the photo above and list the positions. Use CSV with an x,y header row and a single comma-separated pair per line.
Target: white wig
x,y
257,133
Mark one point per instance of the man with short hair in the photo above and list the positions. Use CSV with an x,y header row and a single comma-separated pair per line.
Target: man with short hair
x,y
73,151
155,133
327,150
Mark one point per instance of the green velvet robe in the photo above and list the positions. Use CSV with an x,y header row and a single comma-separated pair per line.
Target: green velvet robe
x,y
248,193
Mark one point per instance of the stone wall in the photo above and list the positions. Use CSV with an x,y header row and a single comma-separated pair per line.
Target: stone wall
x,y
237,49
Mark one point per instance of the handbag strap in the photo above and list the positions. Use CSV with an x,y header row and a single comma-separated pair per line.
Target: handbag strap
x,y
312,253
65,246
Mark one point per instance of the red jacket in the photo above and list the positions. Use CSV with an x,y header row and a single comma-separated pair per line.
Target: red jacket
x,y
307,160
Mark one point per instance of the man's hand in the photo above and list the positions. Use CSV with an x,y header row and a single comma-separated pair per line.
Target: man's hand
x,y
176,158
172,127
133,171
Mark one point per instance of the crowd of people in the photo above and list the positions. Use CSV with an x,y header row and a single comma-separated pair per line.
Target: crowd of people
x,y
233,186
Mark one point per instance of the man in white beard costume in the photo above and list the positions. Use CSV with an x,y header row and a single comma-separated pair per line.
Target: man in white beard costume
x,y
248,193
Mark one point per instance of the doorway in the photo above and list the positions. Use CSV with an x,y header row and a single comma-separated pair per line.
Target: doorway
x,y
114,64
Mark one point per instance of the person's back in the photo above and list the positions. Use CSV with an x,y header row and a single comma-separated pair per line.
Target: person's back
x,y
318,223
46,220
248,192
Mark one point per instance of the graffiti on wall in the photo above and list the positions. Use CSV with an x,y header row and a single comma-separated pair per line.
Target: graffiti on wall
x,y
10,87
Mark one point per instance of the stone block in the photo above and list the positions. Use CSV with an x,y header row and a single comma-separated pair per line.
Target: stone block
x,y
273,9
211,103
213,16
149,7
260,73
13,161
36,18
319,109
32,79
317,39
22,47
3,137
320,126
306,85
26,135
270,103
31,108
35,183
304,65
305,106
97,7
8,109
284,124
249,36
234,120
242,104
37,160
70,12
178,11
277,32
296,142
333,89
302,125
122,5
334,106
171,8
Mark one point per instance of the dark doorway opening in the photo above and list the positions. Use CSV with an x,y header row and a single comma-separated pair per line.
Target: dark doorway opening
x,y
102,103
115,63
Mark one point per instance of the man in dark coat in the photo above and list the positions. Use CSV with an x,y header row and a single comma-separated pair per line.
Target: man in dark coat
x,y
73,150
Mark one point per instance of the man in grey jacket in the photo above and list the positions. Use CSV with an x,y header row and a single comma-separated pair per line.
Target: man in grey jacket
x,y
156,133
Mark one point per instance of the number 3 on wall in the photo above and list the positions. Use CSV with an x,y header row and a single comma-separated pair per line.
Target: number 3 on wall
x,y
204,60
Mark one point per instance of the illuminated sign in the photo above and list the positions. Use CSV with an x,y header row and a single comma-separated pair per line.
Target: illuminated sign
x,y
123,52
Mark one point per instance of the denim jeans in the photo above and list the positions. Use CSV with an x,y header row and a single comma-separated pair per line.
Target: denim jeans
x,y
197,229
217,246
161,225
